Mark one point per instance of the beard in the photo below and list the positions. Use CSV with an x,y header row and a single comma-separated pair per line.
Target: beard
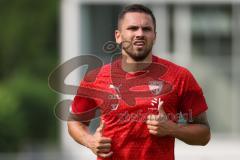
x,y
136,53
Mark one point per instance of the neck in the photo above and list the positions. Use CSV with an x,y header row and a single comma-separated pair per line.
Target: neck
x,y
130,65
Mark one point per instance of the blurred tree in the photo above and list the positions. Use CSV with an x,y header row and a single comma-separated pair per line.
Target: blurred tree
x,y
11,120
28,53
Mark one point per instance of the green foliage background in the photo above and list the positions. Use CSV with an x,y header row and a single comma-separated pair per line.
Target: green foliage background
x,y
28,53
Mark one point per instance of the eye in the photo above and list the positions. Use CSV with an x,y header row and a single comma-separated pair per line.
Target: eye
x,y
147,29
132,28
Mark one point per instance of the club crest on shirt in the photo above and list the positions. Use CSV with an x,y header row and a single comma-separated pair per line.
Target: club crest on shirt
x,y
155,87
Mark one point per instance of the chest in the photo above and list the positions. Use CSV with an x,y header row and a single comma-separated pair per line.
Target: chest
x,y
123,95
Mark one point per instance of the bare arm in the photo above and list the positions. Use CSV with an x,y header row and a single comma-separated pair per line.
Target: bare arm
x,y
79,132
99,144
195,133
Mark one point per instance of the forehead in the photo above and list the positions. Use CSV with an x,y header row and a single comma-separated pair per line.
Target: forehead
x,y
136,18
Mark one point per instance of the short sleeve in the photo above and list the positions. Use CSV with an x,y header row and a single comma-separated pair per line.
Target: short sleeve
x,y
192,99
83,104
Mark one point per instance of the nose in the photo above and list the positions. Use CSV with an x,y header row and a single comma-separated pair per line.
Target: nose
x,y
139,33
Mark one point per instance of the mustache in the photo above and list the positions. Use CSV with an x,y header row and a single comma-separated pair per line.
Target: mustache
x,y
128,44
139,38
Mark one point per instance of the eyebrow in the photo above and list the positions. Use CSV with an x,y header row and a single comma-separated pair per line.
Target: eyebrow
x,y
132,26
136,26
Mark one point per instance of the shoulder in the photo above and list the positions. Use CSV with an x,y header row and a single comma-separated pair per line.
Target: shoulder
x,y
98,72
172,67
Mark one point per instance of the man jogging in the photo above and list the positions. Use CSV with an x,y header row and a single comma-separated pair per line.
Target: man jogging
x,y
145,96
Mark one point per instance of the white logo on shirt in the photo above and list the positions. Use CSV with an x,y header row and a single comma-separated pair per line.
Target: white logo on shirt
x,y
155,87
117,90
115,96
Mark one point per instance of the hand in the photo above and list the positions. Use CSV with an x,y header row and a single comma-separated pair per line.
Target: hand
x,y
159,124
100,145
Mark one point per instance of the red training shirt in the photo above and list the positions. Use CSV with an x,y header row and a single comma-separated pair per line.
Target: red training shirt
x,y
125,100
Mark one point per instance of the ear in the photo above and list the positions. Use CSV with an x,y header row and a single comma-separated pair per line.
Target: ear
x,y
118,37
155,38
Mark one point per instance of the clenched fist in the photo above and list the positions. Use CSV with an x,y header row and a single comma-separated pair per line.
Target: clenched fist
x,y
159,124
100,145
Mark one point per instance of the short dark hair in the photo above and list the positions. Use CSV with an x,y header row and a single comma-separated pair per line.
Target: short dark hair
x,y
136,8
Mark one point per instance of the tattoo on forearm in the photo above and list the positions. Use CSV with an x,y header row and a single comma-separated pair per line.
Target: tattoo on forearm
x,y
201,119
